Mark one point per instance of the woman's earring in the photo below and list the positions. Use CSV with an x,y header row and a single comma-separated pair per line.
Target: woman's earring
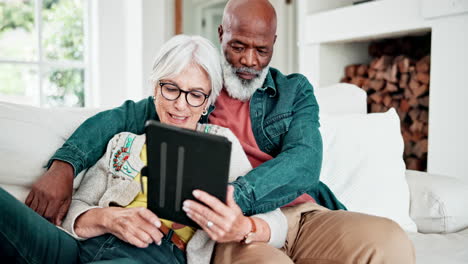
x,y
204,112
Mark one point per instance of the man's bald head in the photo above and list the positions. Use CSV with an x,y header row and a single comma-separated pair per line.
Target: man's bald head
x,y
253,14
248,33
247,36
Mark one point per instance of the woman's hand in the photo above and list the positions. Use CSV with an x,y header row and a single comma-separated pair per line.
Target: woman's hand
x,y
229,223
137,226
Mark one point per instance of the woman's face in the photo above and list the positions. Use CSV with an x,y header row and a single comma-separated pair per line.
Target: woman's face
x,y
178,112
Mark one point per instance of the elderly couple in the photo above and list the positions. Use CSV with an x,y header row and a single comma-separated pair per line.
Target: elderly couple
x,y
277,212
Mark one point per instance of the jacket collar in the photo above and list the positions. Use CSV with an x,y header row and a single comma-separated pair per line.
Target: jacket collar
x,y
269,85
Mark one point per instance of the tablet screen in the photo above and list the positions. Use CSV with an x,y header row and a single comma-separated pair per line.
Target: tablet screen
x,y
179,161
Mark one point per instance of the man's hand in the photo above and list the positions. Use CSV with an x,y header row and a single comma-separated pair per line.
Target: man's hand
x,y
51,195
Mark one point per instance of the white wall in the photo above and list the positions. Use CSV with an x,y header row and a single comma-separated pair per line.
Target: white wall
x,y
125,35
285,52
324,33
448,107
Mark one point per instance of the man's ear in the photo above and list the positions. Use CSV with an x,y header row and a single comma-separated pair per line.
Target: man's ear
x,y
220,33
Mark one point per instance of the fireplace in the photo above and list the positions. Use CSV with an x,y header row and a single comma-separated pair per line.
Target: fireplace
x,y
398,76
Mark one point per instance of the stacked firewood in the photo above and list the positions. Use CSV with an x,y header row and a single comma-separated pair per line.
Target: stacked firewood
x,y
402,83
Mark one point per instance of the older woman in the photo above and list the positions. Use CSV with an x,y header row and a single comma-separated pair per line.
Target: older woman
x,y
108,218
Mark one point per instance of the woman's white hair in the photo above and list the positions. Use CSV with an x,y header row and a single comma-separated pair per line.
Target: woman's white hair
x,y
181,51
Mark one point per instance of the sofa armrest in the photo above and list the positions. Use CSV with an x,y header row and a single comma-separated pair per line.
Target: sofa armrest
x,y
439,204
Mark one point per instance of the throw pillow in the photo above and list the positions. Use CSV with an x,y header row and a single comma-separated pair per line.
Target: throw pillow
x,y
363,164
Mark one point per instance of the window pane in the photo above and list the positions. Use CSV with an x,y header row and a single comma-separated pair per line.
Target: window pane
x,y
63,29
64,87
17,31
19,84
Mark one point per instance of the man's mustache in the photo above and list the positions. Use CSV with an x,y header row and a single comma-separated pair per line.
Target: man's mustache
x,y
248,70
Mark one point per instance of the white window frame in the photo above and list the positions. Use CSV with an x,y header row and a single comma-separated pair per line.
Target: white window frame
x,y
42,64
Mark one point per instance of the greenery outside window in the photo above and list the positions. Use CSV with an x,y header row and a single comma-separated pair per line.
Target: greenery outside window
x,y
43,52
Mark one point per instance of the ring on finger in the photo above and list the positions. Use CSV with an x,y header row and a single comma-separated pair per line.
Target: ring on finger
x,y
209,224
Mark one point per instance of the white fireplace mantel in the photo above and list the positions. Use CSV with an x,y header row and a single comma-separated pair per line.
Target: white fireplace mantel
x,y
335,33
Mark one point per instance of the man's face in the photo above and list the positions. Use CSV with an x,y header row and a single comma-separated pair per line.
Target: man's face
x,y
247,50
248,45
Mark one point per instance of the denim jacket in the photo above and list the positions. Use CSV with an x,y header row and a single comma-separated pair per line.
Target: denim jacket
x,y
285,123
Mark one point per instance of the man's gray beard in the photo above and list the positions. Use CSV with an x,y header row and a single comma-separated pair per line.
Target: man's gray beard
x,y
237,87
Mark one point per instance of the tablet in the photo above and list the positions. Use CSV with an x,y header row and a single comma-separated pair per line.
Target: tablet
x,y
179,161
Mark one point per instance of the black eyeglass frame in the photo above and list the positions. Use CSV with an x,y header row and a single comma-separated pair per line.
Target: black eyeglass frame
x,y
161,84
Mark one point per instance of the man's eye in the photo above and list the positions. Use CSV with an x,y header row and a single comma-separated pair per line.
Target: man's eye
x,y
263,52
238,49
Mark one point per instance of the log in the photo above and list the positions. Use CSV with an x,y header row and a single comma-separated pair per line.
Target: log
x,y
405,133
404,106
376,97
403,63
420,148
408,93
380,75
362,70
357,80
417,126
413,164
424,101
376,108
350,71
372,73
403,83
398,96
416,136
377,84
413,84
387,100
408,147
424,116
366,85
426,129
423,65
401,114
381,63
391,73
395,103
421,90
390,87
413,102
414,114
423,77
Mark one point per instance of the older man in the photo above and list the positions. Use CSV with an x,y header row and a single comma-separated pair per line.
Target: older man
x,y
276,119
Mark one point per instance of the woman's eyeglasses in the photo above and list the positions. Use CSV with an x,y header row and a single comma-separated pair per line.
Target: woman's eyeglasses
x,y
172,92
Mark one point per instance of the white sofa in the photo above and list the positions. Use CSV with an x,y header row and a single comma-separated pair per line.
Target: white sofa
x,y
436,204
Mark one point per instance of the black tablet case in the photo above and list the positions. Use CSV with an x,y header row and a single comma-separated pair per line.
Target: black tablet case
x,y
193,160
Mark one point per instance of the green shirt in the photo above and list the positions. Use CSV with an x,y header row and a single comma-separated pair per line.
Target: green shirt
x,y
285,123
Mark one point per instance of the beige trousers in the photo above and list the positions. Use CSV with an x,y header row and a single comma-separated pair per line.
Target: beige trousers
x,y
319,235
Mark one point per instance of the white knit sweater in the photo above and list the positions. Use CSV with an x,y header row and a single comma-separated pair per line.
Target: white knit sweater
x,y
102,185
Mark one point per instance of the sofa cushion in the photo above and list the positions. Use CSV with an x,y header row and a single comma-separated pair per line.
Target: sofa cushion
x,y
438,203
363,164
341,98
30,135
441,248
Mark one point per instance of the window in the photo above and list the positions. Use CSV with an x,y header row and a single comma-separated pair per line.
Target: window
x,y
43,52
